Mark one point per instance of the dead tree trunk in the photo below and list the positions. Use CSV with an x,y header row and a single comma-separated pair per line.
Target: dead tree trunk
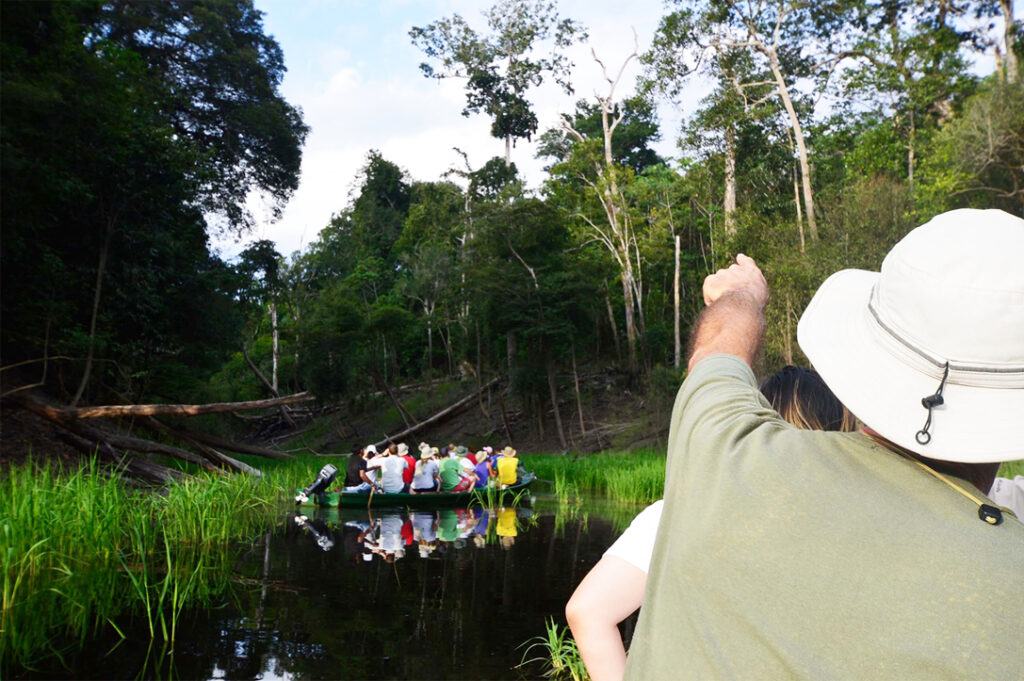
x,y
270,386
729,200
114,410
382,385
436,418
553,390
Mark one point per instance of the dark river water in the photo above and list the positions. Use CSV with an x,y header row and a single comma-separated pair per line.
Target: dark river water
x,y
348,594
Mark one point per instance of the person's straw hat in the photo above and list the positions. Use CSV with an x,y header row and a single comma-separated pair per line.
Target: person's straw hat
x,y
403,449
949,301
426,453
508,451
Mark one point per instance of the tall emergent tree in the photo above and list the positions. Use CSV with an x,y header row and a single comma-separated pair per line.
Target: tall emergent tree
x,y
501,66
595,166
790,42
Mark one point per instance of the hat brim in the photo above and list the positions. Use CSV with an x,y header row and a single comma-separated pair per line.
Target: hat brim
x,y
973,425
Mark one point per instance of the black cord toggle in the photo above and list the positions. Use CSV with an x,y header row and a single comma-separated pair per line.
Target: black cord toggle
x,y
929,402
990,514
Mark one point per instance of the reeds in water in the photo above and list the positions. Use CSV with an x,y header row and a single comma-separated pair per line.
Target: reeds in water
x,y
78,548
557,653
635,477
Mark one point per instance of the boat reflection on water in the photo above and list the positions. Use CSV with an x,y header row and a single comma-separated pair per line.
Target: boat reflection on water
x,y
394,534
318,531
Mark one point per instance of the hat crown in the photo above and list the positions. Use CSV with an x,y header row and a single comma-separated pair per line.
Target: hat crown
x,y
953,289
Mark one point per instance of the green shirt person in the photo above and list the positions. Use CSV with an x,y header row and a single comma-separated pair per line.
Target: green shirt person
x,y
784,553
450,470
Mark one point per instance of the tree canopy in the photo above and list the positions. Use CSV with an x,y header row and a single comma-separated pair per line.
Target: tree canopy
x,y
130,129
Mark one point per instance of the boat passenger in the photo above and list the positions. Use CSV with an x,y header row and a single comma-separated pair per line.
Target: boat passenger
x,y
507,467
483,469
426,477
391,468
452,479
468,464
407,474
356,479
372,472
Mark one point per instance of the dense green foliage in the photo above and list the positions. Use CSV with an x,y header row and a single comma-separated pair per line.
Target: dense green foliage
x,y
128,126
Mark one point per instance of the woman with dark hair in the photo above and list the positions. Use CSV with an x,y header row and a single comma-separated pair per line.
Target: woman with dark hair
x,y
802,398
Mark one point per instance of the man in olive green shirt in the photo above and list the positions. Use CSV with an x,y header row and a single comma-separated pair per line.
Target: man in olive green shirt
x,y
784,553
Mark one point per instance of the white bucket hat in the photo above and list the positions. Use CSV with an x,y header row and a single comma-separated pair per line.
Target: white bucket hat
x,y
944,320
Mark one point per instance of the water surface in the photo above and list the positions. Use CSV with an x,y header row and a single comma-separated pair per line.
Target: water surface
x,y
352,594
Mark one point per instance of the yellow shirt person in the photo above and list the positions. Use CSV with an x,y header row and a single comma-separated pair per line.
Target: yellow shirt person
x,y
507,467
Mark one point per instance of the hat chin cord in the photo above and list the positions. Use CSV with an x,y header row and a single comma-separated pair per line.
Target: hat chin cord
x,y
987,512
929,402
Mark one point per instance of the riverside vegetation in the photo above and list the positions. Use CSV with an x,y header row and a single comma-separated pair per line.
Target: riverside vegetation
x,y
79,548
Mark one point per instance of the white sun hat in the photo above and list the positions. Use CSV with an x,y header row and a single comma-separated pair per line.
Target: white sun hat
x,y
942,324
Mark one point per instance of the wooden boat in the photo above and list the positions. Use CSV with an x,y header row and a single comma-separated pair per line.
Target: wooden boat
x,y
476,497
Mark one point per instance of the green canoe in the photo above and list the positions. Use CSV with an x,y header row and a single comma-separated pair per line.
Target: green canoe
x,y
422,500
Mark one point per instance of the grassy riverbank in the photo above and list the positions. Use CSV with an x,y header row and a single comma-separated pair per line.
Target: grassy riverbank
x,y
634,477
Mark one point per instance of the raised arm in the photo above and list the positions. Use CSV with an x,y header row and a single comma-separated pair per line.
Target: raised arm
x,y
733,321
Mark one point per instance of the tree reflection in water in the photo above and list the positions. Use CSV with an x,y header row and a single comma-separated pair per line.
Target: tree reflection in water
x,y
404,593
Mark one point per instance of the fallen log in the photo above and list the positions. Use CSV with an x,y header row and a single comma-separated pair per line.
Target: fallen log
x,y
239,447
438,417
209,453
145,470
91,439
115,410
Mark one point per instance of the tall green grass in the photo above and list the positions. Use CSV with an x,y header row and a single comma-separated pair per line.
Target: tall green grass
x,y
556,653
634,477
79,548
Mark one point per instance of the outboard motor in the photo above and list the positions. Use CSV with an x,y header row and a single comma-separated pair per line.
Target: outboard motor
x,y
324,478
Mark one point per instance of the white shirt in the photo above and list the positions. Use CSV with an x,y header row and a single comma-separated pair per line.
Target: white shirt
x,y
637,543
1009,494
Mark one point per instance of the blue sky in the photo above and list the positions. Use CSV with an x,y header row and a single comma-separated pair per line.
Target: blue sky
x,y
355,73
